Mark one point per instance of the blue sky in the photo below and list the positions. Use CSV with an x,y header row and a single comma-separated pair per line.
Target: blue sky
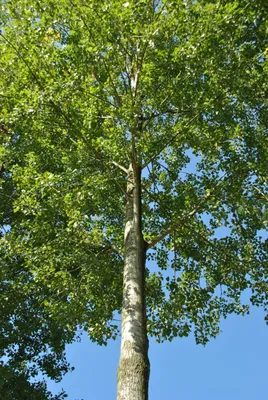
x,y
231,367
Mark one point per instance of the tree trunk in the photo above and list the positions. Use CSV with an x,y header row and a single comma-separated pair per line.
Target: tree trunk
x,y
133,369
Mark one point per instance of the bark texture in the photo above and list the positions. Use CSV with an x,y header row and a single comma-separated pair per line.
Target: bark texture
x,y
133,370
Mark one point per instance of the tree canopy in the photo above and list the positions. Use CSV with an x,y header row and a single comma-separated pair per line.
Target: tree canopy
x,y
77,78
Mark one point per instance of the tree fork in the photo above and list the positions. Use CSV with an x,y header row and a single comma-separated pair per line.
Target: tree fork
x,y
134,368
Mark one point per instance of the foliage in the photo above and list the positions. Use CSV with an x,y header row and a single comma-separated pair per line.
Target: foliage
x,y
190,77
16,386
30,341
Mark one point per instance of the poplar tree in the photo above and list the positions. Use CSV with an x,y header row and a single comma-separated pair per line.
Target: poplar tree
x,y
105,106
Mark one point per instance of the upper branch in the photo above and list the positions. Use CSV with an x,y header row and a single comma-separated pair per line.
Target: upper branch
x,y
162,148
175,225
120,166
181,222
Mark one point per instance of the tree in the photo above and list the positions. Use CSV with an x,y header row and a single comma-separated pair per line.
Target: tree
x,y
104,105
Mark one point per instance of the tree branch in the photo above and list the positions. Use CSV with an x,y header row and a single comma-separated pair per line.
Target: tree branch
x,y
180,223
174,226
168,143
261,193
120,166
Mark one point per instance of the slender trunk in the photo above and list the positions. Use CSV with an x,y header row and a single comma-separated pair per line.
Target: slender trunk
x,y
133,369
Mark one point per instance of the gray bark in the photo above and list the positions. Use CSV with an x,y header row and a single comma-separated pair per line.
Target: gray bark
x,y
133,369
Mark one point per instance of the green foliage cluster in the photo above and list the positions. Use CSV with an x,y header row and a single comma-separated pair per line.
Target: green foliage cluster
x,y
17,386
